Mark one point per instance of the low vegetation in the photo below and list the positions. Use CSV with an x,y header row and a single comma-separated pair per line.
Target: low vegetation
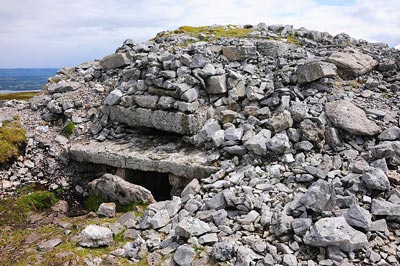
x,y
21,96
15,230
92,203
69,128
12,141
209,33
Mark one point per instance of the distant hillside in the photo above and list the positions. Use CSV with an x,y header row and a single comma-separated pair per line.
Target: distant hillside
x,y
27,72
25,79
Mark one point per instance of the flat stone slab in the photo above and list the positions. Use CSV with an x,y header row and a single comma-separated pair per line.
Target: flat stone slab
x,y
177,122
164,154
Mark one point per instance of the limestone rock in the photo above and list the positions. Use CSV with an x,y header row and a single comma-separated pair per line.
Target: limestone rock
x,y
223,251
278,143
257,143
235,53
114,188
191,226
358,217
375,179
216,84
114,61
382,207
315,70
63,86
319,197
184,255
351,62
113,98
335,232
345,115
95,236
49,244
107,209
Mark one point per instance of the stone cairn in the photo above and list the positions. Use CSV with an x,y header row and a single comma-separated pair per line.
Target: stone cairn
x,y
305,136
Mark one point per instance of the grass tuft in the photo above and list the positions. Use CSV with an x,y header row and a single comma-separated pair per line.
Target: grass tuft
x,y
69,128
12,141
293,40
13,211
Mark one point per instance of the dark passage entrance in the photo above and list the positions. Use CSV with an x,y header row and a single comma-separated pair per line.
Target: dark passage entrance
x,y
156,182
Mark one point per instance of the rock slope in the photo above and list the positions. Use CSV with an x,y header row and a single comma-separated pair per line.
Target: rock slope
x,y
302,126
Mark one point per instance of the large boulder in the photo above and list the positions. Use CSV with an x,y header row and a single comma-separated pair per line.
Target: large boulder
x,y
315,70
335,232
114,188
114,61
345,115
351,62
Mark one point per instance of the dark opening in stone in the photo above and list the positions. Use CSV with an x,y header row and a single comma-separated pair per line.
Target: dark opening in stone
x,y
156,182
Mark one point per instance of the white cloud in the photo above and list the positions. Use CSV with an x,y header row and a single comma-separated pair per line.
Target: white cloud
x,y
37,33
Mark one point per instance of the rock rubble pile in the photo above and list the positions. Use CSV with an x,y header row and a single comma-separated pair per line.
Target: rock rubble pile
x,y
302,126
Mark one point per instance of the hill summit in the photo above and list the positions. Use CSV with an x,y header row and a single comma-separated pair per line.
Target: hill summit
x,y
248,145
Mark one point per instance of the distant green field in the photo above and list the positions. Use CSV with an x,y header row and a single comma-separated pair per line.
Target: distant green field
x,y
24,79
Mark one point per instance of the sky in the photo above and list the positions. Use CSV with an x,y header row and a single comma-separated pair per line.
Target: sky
x,y
58,33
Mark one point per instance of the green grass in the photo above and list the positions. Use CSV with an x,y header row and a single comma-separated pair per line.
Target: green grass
x,y
294,40
69,128
12,141
14,211
21,96
209,33
92,203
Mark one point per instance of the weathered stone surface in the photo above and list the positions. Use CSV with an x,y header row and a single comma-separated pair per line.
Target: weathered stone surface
x,y
312,71
272,48
114,61
184,255
157,156
347,116
49,244
146,101
301,225
216,84
319,197
95,236
375,179
392,133
160,219
351,62
107,209
280,122
113,98
223,251
114,188
278,143
235,53
191,226
63,86
335,232
257,143
382,207
358,217
186,124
